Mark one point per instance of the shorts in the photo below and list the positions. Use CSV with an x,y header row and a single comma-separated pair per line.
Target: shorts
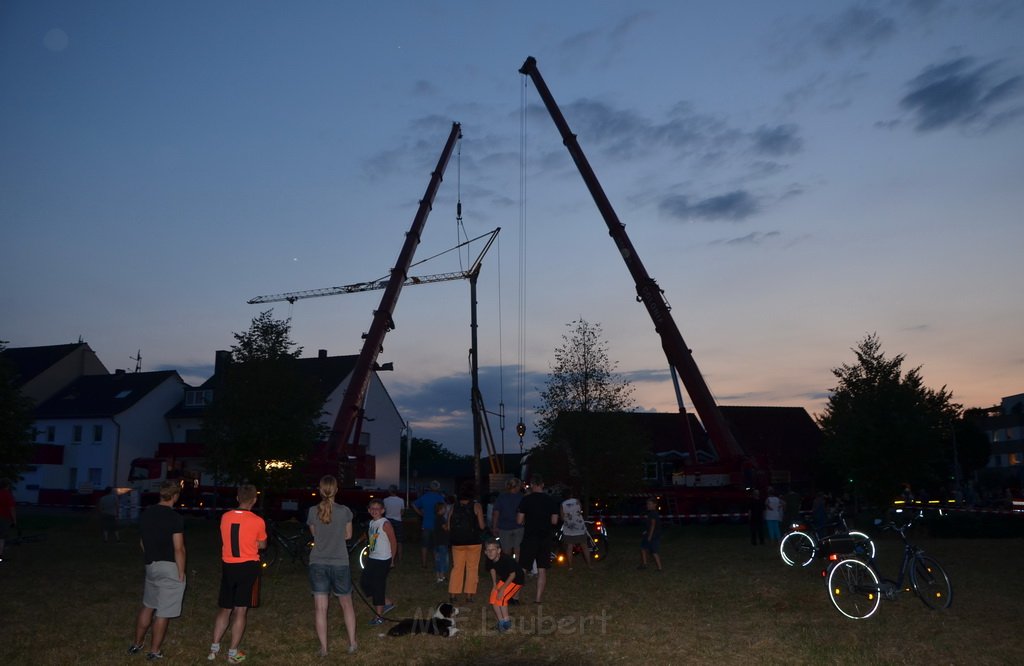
x,y
502,592
330,579
651,545
535,548
510,539
427,537
239,585
570,539
396,525
163,591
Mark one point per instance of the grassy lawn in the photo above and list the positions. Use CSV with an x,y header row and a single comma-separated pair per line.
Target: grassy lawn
x,y
72,599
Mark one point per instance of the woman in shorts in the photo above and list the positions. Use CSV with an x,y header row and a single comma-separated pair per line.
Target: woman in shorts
x,y
329,572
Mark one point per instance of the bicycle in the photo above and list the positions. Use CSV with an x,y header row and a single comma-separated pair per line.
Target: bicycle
x,y
296,543
800,547
856,588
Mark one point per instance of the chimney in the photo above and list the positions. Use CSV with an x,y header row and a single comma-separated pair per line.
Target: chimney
x,y
321,353
221,359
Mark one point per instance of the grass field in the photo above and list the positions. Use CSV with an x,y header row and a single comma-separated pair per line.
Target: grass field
x,y
72,599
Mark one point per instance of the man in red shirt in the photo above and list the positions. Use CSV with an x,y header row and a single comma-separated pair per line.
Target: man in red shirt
x,y
243,534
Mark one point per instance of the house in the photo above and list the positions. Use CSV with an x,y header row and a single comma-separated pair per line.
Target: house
x,y
88,433
377,453
1003,425
42,371
783,442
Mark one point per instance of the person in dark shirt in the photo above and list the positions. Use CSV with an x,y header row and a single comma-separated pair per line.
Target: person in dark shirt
x,y
652,535
538,514
163,545
506,580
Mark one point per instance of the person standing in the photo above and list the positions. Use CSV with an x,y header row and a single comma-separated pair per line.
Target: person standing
x,y
162,540
503,518
441,541
243,535
755,509
108,506
574,530
380,537
791,515
773,510
651,541
329,568
819,512
538,514
8,514
393,508
465,525
424,507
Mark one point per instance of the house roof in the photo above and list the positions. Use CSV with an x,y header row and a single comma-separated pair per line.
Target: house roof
x,y
785,436
326,372
30,362
98,396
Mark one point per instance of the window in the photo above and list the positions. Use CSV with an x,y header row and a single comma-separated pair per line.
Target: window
x,y
198,398
97,433
73,478
76,434
51,434
96,477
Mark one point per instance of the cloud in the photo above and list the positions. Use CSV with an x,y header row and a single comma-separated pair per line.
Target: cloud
x,y
777,141
859,27
733,206
439,408
753,238
960,93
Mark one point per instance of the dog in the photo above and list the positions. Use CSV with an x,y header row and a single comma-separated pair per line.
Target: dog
x,y
442,623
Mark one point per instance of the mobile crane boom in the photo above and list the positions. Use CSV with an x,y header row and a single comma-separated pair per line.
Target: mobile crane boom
x,y
648,292
351,404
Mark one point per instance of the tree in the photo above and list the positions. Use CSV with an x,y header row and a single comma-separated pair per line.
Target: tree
x,y
581,440
16,422
884,428
263,422
427,452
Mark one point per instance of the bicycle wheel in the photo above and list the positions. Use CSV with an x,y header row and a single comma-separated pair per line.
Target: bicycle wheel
x,y
853,589
797,549
863,545
363,554
931,583
270,555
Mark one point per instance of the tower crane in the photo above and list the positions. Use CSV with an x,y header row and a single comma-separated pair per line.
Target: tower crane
x,y
350,412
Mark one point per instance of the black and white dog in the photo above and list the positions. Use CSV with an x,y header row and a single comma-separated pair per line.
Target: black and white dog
x,y
442,623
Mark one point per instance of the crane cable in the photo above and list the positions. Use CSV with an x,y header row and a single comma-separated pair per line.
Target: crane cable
x,y
521,352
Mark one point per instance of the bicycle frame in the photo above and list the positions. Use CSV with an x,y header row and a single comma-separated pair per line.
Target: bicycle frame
x,y
801,545
857,587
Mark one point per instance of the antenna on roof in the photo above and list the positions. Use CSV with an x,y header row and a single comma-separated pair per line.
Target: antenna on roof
x,y
138,360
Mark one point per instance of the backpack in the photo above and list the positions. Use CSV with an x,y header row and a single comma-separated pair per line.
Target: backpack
x,y
464,527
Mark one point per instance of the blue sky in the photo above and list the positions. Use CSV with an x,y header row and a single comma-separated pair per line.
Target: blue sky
x,y
795,175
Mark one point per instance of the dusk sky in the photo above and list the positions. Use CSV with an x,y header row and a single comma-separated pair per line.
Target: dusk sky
x,y
795,175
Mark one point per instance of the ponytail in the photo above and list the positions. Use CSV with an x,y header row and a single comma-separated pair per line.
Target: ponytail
x,y
328,489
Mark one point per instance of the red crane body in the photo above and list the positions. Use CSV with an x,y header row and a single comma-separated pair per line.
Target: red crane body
x,y
350,412
648,292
